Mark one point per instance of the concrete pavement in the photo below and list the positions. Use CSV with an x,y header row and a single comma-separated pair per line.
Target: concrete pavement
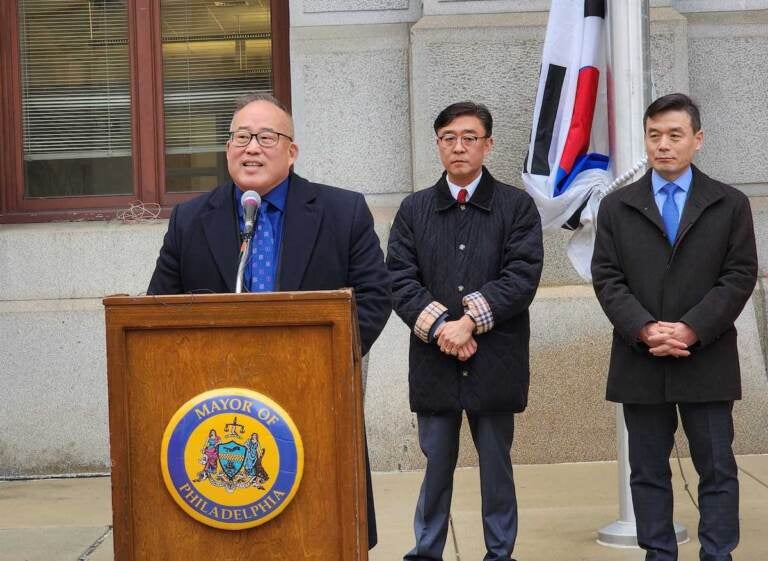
x,y
561,508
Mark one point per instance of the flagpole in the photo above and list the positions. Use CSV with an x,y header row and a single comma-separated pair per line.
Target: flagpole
x,y
629,93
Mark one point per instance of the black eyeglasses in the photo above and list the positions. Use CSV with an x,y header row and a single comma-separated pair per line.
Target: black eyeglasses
x,y
266,139
468,140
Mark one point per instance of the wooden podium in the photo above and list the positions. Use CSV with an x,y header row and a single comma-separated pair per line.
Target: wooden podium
x,y
299,349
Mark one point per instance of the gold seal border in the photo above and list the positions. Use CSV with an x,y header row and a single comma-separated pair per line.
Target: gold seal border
x,y
240,392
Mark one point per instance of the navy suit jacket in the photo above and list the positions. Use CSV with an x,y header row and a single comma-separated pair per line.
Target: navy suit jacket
x,y
328,243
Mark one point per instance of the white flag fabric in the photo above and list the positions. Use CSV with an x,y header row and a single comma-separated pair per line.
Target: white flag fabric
x,y
567,165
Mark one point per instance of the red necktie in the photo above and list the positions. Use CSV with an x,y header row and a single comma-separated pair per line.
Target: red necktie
x,y
462,196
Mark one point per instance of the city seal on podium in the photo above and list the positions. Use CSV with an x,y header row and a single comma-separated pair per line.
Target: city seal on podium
x,y
232,458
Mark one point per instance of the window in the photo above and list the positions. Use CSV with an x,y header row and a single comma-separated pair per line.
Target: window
x,y
103,102
75,98
209,58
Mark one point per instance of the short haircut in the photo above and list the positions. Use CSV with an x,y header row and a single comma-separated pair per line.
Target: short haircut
x,y
465,108
675,102
247,98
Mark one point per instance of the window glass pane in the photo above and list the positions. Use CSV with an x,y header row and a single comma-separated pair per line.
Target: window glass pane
x,y
75,97
212,53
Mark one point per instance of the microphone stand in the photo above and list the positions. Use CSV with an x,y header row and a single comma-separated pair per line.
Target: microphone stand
x,y
245,251
250,201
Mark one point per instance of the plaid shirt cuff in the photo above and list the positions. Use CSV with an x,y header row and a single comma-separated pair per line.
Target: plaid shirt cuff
x,y
426,318
476,307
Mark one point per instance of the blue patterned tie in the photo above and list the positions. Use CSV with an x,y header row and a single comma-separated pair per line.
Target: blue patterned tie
x,y
670,213
263,254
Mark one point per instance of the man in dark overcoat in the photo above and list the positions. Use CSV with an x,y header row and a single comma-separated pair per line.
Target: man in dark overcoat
x,y
674,264
465,258
308,236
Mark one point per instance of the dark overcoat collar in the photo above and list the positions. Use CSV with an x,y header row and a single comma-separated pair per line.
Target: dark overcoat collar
x,y
301,225
221,231
703,193
482,197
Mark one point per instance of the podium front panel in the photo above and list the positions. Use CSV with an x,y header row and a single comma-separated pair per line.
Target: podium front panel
x,y
299,350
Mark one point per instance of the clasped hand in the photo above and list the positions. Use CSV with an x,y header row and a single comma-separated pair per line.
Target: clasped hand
x,y
455,338
668,338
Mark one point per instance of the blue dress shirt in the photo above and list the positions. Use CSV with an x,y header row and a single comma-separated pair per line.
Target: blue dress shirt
x,y
681,195
273,204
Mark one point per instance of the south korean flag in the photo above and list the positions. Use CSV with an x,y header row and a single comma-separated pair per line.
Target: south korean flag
x,y
567,164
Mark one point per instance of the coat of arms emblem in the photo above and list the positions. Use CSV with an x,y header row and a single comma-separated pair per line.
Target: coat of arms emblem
x,y
233,464
232,458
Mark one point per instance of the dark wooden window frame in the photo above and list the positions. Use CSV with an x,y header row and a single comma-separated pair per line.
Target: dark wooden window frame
x,y
147,124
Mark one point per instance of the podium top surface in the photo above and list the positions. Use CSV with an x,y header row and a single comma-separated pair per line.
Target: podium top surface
x,y
213,298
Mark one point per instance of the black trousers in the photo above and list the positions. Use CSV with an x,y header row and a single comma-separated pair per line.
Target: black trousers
x,y
439,440
373,537
709,428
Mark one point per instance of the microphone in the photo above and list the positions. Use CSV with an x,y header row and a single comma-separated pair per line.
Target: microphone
x,y
251,202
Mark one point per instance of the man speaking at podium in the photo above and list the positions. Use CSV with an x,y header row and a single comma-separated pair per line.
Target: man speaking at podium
x,y
307,236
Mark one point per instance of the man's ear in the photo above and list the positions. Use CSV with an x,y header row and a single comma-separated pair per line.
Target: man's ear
x,y
488,145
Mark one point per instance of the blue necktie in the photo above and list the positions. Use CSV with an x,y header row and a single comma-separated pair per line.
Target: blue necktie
x,y
263,254
670,213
